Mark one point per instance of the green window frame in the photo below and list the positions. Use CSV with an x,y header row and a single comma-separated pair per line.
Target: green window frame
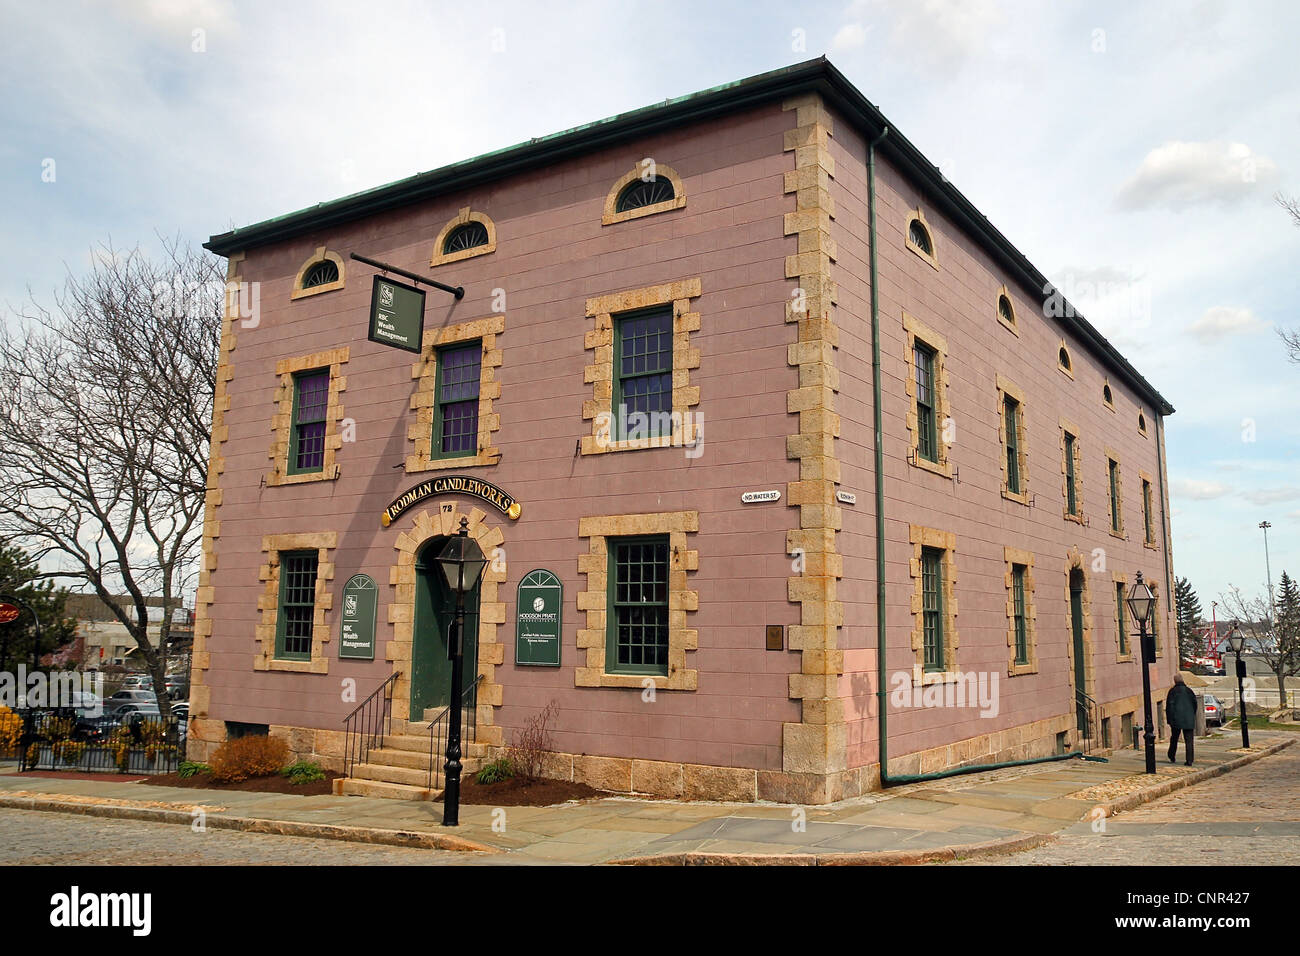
x,y
1121,621
295,619
927,437
311,388
1113,469
1011,416
1071,484
1147,525
932,609
1018,610
637,602
643,371
456,399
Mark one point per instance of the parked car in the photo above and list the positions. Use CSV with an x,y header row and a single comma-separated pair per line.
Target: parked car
x,y
1213,710
124,697
136,681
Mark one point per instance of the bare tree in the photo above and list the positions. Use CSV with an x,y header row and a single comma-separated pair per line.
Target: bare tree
x,y
1290,337
105,421
1279,648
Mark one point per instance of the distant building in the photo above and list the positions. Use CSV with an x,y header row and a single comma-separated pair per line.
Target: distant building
x,y
106,639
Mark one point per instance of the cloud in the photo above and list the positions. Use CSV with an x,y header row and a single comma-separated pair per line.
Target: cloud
x,y
1178,175
1269,496
849,37
1198,490
1222,320
942,33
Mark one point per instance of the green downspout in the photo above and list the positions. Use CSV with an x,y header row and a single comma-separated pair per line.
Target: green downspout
x,y
882,709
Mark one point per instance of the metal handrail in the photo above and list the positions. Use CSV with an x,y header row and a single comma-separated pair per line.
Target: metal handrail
x,y
368,723
1091,713
441,722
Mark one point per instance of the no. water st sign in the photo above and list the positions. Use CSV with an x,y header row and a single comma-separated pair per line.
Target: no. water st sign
x,y
396,315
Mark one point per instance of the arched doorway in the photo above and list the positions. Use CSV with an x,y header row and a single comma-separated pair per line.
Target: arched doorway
x,y
435,610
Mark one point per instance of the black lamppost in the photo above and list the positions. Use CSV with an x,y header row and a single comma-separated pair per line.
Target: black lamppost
x,y
462,564
1140,604
1238,643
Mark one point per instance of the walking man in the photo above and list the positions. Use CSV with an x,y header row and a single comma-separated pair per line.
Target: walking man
x,y
1180,711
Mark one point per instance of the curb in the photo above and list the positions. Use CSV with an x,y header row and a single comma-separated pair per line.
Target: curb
x,y
944,854
971,851
411,839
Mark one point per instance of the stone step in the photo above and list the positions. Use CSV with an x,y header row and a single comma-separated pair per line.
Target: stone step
x,y
410,776
393,757
419,743
353,787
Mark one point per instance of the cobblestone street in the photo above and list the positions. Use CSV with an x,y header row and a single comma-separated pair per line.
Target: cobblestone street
x,y
1249,816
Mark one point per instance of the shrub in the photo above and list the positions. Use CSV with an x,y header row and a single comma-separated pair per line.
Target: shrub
x,y
246,757
189,768
498,770
532,744
11,730
304,771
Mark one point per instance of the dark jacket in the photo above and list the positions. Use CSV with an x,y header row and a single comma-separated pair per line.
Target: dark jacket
x,y
1180,707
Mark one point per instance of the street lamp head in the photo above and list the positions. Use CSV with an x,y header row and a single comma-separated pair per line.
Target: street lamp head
x,y
462,560
1140,600
1235,641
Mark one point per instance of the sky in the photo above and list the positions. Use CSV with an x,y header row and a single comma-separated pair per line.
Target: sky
x,y
1132,152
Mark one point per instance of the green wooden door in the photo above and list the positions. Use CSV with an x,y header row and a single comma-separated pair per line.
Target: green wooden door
x,y
435,610
1080,664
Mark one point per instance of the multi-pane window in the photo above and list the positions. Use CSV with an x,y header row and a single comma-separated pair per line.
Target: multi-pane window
x,y
927,439
307,437
638,606
643,373
297,604
1148,525
455,425
1071,482
932,609
1121,619
1112,467
1018,613
1011,416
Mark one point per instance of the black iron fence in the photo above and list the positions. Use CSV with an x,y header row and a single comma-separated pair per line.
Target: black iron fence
x,y
63,740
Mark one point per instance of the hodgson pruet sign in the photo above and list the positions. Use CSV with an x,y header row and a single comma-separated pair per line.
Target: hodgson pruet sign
x,y
453,485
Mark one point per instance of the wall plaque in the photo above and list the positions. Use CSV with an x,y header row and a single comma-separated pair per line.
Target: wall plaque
x,y
357,623
538,619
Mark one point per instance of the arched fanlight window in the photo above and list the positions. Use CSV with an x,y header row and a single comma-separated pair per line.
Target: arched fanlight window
x,y
1005,311
919,236
1142,423
1064,358
1106,395
641,193
320,273
469,236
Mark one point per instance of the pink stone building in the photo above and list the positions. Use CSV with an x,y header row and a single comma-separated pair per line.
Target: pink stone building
x,y
661,387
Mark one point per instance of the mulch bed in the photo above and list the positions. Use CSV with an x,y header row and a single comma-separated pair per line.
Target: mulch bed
x,y
272,784
517,792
